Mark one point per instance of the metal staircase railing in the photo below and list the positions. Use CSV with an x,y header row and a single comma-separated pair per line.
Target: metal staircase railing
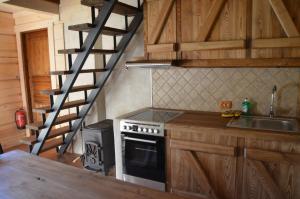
x,y
45,130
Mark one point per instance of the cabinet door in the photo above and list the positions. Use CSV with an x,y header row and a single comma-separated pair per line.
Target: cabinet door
x,y
212,29
275,29
201,170
271,170
160,29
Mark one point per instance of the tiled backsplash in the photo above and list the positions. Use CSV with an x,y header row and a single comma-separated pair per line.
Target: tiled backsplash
x,y
203,89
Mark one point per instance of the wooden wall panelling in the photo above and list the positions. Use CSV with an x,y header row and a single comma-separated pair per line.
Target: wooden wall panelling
x,y
213,21
275,28
6,23
8,54
10,97
8,42
161,26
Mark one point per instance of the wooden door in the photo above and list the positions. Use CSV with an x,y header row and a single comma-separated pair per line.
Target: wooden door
x,y
204,169
271,170
38,68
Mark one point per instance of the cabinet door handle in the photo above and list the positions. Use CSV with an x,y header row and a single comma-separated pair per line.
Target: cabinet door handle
x,y
245,153
140,140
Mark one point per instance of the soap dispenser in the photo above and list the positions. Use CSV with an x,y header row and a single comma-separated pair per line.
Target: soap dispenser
x,y
246,106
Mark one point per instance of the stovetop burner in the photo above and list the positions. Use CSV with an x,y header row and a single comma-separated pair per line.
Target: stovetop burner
x,y
148,122
154,115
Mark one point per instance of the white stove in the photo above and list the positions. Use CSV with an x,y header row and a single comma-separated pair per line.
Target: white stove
x,y
148,122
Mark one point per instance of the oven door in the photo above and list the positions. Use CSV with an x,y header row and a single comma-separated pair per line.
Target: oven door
x,y
144,156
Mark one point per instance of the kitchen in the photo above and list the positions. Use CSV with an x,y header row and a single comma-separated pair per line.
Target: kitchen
x,y
198,65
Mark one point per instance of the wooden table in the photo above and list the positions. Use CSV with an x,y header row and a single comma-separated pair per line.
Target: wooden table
x,y
25,176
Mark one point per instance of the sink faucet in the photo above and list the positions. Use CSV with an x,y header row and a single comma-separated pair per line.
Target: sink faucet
x,y
272,102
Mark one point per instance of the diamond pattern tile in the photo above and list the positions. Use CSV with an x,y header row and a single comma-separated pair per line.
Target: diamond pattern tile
x,y
203,89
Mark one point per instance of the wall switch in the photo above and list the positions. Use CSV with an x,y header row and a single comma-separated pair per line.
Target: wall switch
x,y
226,104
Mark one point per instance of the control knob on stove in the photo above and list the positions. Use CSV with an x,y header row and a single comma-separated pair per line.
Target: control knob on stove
x,y
139,129
155,131
145,130
125,127
150,130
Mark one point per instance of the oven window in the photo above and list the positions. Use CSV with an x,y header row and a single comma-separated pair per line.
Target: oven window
x,y
144,158
140,154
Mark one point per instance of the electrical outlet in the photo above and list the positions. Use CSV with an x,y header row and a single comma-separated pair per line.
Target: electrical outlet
x,y
226,104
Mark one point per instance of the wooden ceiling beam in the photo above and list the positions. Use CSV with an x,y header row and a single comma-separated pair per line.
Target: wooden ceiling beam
x,y
49,6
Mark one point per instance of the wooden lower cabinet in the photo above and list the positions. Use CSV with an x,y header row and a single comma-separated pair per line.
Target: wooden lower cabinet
x,y
203,170
233,168
271,170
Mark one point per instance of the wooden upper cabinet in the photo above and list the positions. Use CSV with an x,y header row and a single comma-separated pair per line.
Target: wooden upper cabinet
x,y
212,29
160,29
275,29
223,33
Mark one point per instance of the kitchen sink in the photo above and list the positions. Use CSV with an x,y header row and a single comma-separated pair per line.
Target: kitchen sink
x,y
265,123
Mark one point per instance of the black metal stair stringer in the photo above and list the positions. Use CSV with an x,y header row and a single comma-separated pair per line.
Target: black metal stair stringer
x,y
76,68
104,77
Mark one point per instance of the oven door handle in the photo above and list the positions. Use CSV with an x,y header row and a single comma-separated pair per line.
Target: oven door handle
x,y
140,140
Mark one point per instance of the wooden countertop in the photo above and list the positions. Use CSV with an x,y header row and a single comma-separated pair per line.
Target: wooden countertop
x,y
197,121
25,176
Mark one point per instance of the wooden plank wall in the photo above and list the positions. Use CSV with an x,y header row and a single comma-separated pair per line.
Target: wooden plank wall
x,y
10,91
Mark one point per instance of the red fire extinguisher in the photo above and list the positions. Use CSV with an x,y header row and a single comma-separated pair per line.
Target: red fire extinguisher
x,y
20,118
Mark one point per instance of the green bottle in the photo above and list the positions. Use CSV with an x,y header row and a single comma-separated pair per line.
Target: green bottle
x,y
246,106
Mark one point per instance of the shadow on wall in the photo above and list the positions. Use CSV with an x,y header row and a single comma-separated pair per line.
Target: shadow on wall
x,y
280,105
282,94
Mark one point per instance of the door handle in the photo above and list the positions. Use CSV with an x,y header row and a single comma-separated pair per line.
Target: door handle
x,y
140,140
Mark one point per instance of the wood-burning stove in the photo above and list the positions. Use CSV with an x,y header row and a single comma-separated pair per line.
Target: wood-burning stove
x,y
99,154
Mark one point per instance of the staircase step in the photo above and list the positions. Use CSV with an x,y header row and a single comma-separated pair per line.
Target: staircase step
x,y
113,31
85,27
67,105
62,119
119,8
93,51
74,89
68,72
54,133
106,30
51,144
